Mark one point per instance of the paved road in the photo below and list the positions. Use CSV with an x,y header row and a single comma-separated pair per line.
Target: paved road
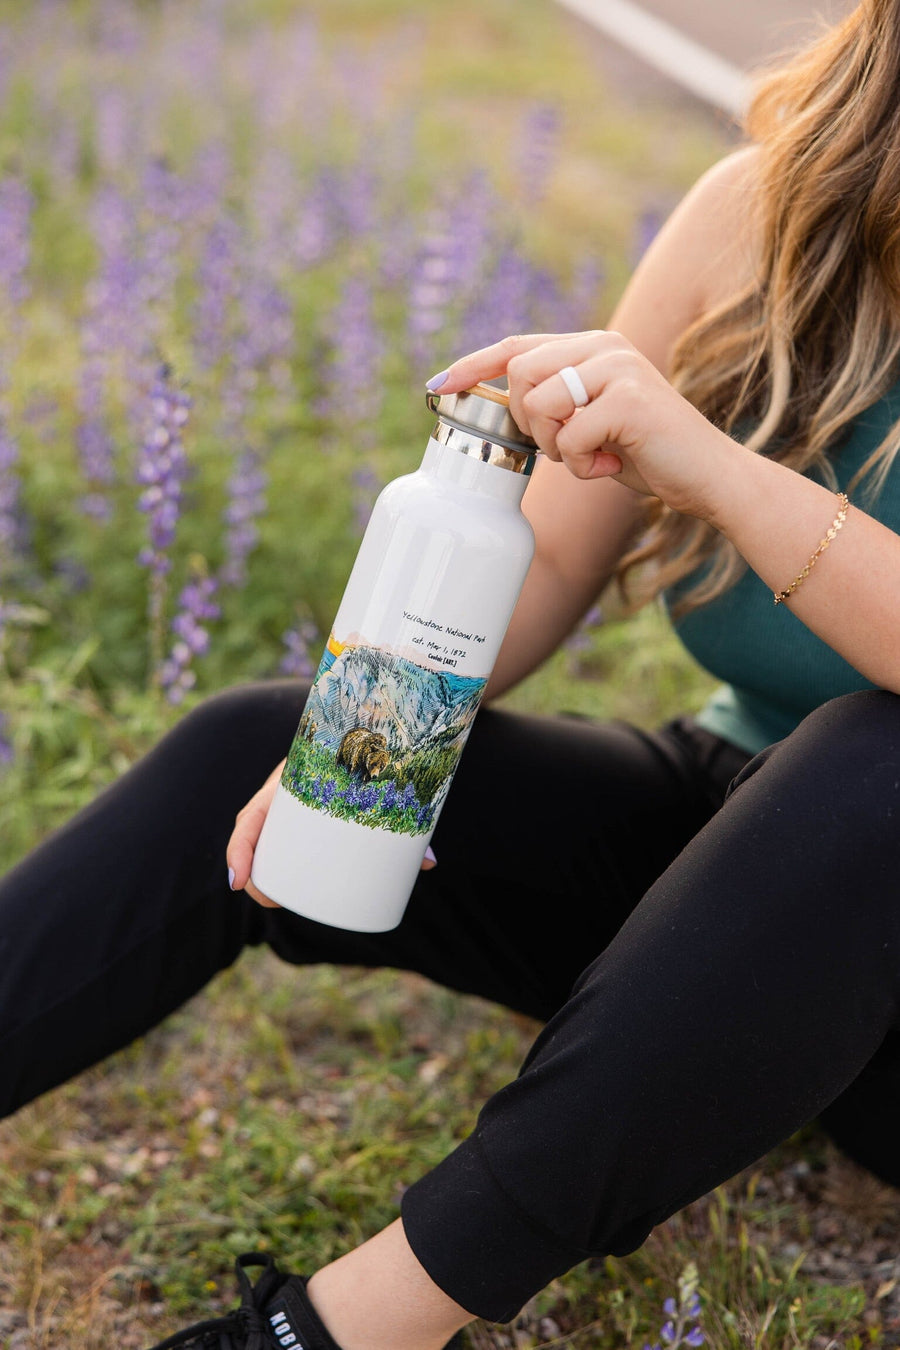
x,y
747,33
743,34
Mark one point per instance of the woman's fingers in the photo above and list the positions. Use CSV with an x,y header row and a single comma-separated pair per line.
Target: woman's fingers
x,y
529,361
491,361
245,835
617,414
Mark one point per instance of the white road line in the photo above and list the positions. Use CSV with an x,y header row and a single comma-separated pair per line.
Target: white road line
x,y
708,76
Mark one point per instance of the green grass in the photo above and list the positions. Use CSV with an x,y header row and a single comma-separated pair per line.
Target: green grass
x,y
287,1108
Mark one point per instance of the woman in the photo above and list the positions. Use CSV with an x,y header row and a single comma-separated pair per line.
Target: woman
x,y
733,878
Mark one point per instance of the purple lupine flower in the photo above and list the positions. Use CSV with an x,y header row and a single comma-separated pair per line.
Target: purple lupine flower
x,y
64,151
539,143
357,192
112,328
314,234
15,241
110,344
580,641
508,292
13,531
299,642
582,302
676,1331
474,228
353,388
434,285
196,608
119,30
8,61
275,193
360,85
366,487
247,501
217,289
397,242
166,198
390,796
646,229
208,177
115,128
7,753
41,412
501,303
73,574
96,451
266,334
546,301
328,791
161,470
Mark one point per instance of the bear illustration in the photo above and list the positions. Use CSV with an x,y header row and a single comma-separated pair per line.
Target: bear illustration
x,y
364,751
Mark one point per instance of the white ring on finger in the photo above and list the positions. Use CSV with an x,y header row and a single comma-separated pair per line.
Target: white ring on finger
x,y
575,385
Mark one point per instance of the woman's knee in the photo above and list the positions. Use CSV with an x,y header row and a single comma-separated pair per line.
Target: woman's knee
x,y
250,721
860,717
846,753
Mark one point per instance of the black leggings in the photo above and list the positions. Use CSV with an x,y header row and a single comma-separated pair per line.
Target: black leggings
x,y
711,975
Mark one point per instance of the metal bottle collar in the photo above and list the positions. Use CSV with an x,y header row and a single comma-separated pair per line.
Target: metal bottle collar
x,y
487,429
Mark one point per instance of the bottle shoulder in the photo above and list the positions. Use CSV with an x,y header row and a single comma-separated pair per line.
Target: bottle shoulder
x,y
418,501
498,492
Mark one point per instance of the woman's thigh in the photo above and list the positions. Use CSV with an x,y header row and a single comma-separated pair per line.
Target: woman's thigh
x,y
123,913
553,829
756,981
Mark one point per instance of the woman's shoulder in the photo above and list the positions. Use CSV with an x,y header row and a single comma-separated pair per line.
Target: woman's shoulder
x,y
718,226
706,253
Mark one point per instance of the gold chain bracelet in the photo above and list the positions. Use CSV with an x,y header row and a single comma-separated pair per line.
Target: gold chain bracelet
x,y
829,535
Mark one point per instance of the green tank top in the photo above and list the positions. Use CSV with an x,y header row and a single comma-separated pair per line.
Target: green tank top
x,y
775,671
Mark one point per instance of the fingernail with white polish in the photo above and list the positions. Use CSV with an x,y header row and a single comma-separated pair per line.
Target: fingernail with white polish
x,y
436,381
231,878
429,854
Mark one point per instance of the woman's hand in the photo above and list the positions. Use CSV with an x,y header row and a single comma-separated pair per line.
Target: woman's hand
x,y
635,426
245,836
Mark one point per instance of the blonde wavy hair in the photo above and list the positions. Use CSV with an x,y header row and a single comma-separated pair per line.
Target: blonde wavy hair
x,y
815,339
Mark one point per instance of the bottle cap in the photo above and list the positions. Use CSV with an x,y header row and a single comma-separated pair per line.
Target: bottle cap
x,y
484,410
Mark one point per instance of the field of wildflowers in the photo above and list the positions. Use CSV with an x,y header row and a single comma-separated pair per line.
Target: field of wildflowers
x,y
232,246
234,240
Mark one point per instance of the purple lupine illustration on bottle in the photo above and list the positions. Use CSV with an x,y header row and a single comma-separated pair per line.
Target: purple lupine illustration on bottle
x,y
386,731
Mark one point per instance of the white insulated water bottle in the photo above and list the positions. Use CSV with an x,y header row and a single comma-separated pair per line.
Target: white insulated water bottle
x,y
434,585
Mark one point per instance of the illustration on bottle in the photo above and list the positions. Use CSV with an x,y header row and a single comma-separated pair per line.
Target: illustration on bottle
x,y
380,737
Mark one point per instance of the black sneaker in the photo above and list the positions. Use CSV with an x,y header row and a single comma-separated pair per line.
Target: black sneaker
x,y
274,1313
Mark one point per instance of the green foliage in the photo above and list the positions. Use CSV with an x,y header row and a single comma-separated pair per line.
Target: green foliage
x,y
283,1108
428,770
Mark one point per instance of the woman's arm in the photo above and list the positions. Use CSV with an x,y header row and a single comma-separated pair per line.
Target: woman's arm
x,y
582,528
638,431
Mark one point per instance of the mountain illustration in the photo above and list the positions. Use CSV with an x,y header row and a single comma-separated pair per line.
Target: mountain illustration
x,y
413,708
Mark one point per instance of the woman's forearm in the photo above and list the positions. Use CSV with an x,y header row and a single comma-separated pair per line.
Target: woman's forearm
x,y
581,531
547,612
776,519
